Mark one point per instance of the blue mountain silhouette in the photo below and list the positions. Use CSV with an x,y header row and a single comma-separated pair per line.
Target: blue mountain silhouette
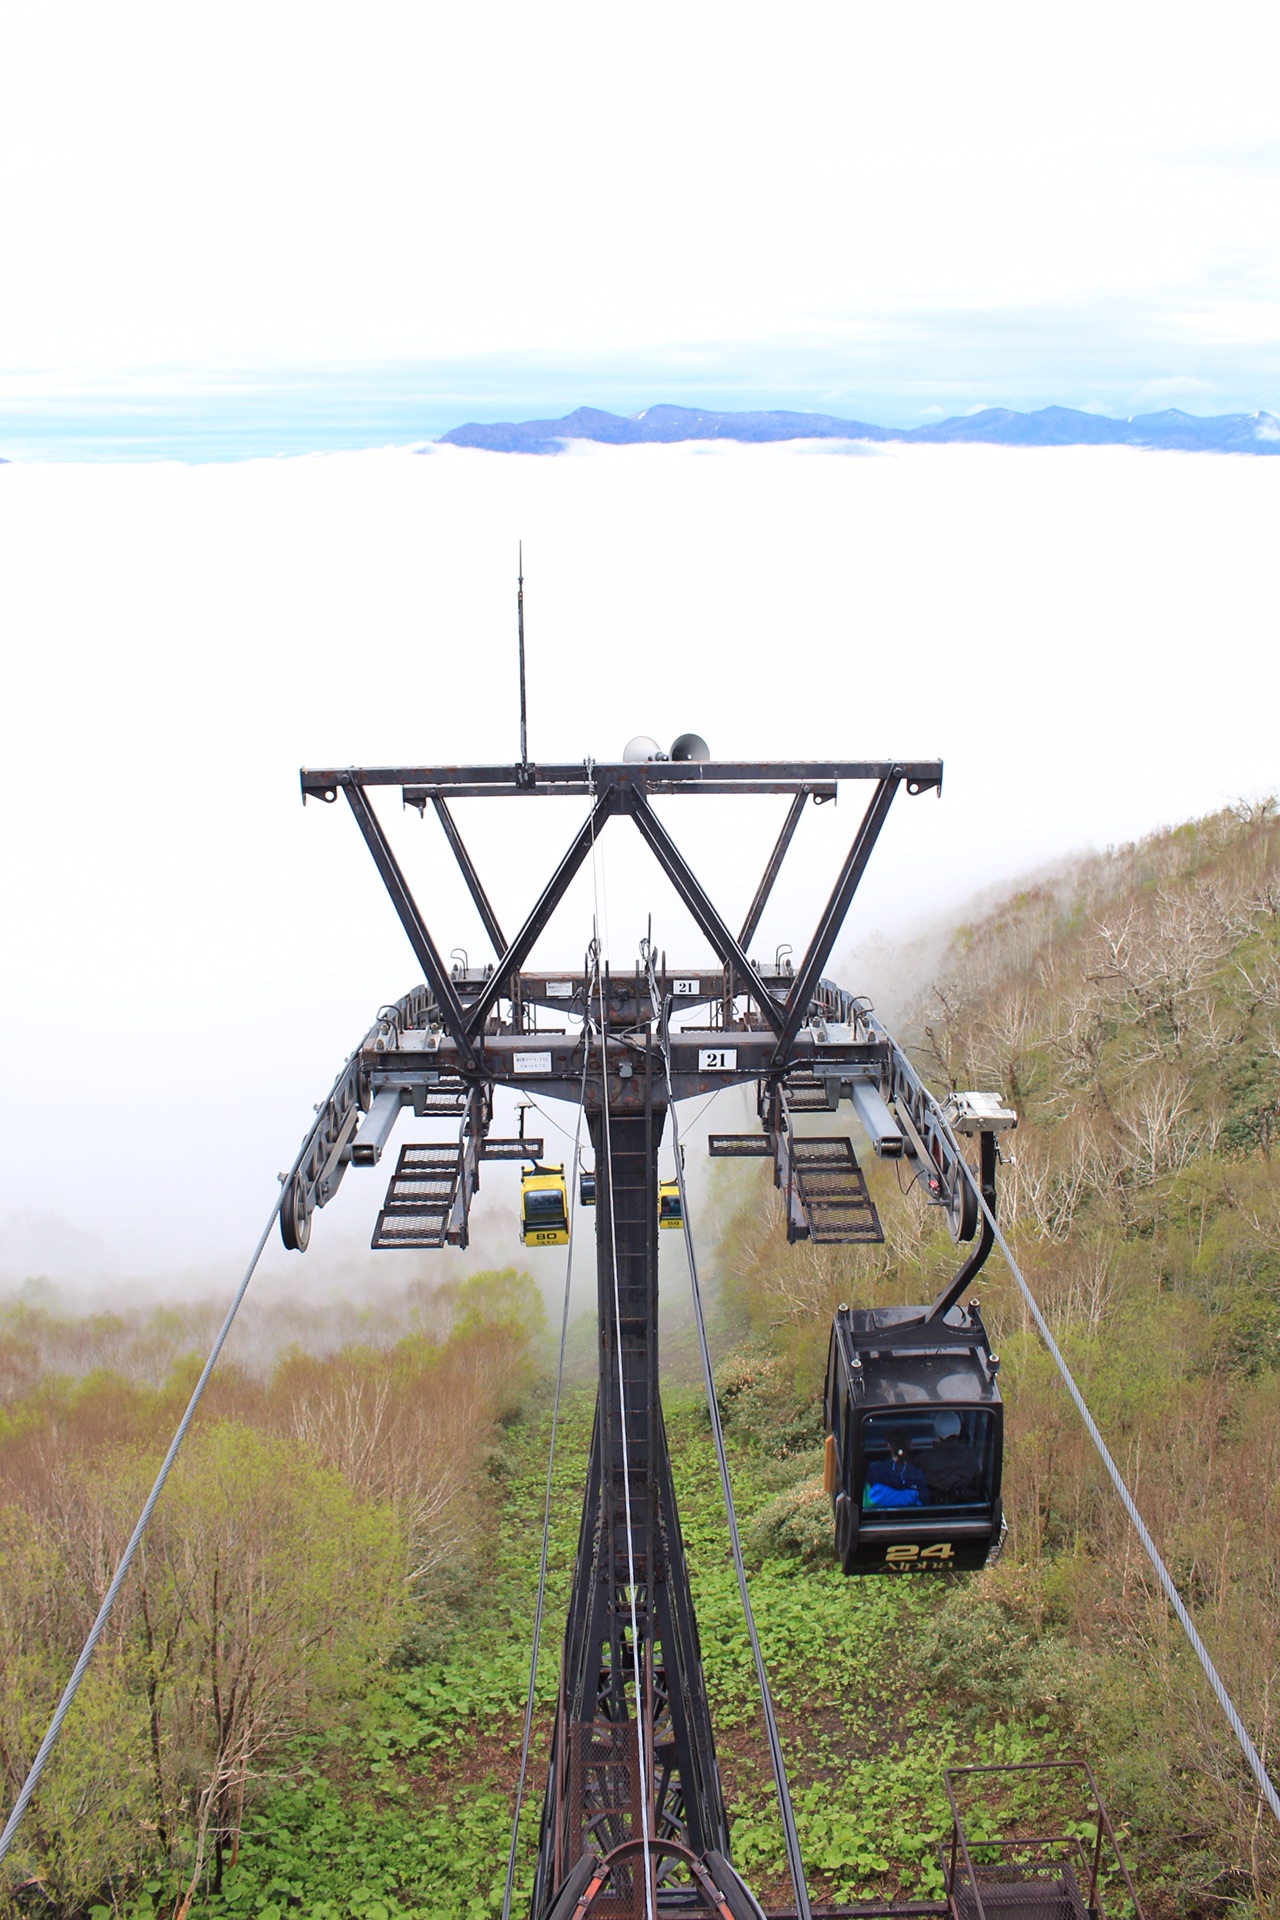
x,y
999,426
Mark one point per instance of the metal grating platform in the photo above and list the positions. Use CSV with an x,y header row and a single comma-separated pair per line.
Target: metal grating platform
x,y
1022,1891
805,1093
832,1190
446,1095
1044,1876
512,1149
739,1146
420,1197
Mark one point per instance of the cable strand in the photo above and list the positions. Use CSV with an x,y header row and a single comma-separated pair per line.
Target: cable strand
x,y
546,1506
46,1747
786,1811
622,1385
1253,1758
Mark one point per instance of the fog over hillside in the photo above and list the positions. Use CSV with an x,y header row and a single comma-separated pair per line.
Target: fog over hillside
x,y
1085,635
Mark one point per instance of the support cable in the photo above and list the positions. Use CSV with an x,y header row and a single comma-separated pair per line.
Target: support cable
x,y
546,1505
1256,1764
603,954
552,1122
126,1560
790,1834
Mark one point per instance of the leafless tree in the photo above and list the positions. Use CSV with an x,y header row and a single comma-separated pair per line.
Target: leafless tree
x,y
1160,1123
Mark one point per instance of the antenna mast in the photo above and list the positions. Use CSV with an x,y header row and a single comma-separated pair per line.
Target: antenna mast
x,y
524,730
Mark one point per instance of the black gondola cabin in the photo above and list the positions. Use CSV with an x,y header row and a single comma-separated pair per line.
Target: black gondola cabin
x,y
915,1432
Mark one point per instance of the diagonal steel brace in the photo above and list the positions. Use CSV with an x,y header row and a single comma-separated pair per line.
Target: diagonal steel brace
x,y
429,959
694,895
549,899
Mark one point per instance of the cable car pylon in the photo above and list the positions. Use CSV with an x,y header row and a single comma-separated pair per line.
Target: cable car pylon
x,y
634,1816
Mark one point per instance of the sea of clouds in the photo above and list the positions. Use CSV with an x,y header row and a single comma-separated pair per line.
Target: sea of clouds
x,y
1086,636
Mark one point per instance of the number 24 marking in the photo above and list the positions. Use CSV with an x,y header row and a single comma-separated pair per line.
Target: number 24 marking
x,y
942,1551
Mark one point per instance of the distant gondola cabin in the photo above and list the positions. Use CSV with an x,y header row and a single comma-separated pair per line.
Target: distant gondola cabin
x,y
544,1207
670,1212
915,1429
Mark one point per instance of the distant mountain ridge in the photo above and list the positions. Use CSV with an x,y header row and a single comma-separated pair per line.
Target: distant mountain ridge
x,y
997,426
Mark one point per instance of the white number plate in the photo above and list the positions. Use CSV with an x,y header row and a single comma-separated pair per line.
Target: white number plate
x,y
559,989
531,1063
686,986
717,1059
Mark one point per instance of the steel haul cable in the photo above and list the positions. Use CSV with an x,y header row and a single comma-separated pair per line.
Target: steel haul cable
x,y
1254,1759
791,1836
46,1747
622,1387
546,1509
121,1574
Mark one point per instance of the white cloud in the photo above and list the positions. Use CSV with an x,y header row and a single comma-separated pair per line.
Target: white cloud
x,y
189,953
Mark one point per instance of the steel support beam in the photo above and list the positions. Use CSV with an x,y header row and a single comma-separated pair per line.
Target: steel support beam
x,y
633,1805
627,1764
469,874
549,899
694,895
451,1010
664,776
773,869
828,929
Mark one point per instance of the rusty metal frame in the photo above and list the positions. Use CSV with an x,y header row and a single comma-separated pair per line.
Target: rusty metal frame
x,y
1103,1827
457,1042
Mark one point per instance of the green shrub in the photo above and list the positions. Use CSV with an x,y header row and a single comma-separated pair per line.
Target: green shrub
x,y
796,1522
778,1475
762,1408
998,1666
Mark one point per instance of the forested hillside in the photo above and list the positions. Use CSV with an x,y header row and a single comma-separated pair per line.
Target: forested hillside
x,y
1130,1011
309,1699
319,1522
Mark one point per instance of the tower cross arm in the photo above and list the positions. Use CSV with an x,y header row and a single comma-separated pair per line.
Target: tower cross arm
x,y
664,776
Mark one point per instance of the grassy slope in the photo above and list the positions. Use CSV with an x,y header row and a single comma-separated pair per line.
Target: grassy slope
x,y
412,1815
1130,1010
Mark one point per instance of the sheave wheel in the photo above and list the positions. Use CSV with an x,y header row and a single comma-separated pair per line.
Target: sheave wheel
x,y
962,1215
295,1221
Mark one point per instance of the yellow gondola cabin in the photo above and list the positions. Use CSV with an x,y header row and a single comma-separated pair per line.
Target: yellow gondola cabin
x,y
670,1213
544,1207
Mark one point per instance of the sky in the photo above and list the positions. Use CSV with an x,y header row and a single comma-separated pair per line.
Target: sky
x,y
259,221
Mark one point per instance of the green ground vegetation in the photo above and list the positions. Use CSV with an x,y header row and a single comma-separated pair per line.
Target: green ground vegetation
x,y
404,1812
